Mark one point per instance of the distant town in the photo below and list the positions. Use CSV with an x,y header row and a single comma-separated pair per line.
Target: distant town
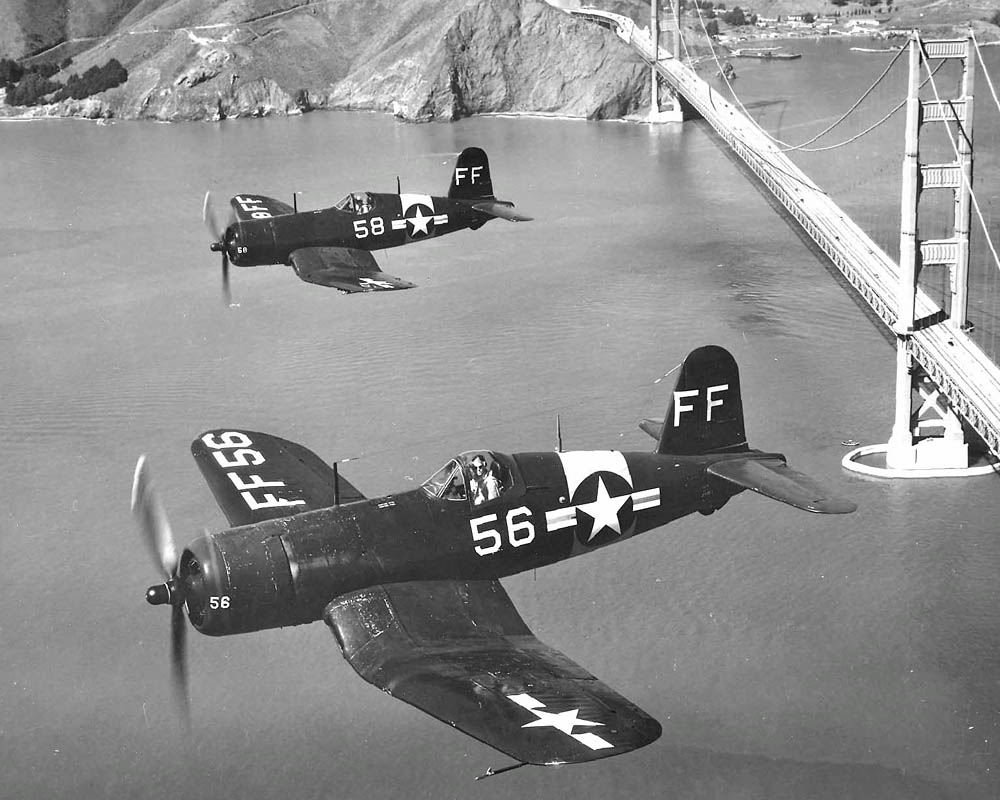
x,y
739,24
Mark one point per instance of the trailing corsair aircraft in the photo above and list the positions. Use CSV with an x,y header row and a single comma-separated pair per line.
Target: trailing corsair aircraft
x,y
332,246
409,583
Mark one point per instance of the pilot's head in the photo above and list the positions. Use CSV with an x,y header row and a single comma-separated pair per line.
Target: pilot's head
x,y
478,466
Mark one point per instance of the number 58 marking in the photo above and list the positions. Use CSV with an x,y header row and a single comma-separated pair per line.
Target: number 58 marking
x,y
375,226
519,531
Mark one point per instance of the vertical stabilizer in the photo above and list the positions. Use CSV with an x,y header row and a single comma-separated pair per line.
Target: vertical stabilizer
x,y
471,178
705,413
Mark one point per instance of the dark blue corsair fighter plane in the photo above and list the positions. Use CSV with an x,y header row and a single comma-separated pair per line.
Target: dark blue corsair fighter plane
x,y
332,246
409,583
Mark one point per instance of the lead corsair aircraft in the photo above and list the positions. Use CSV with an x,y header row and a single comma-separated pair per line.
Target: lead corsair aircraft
x,y
332,246
409,583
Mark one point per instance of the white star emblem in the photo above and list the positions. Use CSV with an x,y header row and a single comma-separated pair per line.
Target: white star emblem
x,y
419,222
604,510
563,721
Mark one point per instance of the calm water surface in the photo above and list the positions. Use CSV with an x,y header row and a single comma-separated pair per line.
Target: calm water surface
x,y
787,655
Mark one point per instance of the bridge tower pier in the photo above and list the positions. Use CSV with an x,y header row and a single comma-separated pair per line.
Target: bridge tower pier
x,y
930,440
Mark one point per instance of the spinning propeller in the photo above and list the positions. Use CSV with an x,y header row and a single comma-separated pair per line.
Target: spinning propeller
x,y
222,239
155,531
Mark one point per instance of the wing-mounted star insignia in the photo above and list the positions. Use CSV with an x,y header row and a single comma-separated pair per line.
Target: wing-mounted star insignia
x,y
565,721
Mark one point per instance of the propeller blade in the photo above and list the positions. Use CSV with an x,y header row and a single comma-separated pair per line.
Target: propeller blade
x,y
211,219
153,524
178,662
226,294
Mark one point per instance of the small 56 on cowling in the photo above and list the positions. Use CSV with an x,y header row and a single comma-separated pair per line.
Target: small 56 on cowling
x,y
409,582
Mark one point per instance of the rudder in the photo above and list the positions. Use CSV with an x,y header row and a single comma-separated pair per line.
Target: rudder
x,y
705,414
470,180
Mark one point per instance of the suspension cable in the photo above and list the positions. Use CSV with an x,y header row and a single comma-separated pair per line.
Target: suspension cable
x,y
965,178
786,146
862,133
989,82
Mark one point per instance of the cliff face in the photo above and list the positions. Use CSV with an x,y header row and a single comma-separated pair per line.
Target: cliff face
x,y
419,59
505,56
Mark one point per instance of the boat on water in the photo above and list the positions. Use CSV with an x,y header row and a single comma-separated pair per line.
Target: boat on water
x,y
764,52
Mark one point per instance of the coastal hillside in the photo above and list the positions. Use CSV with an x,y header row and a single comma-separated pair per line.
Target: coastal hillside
x,y
29,26
418,59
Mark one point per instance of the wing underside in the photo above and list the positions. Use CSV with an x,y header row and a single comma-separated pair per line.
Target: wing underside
x,y
255,476
460,652
345,269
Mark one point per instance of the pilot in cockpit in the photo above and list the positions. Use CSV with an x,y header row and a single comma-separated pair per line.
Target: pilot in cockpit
x,y
483,484
361,204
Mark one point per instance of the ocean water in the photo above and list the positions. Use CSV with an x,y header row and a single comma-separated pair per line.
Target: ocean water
x,y
787,655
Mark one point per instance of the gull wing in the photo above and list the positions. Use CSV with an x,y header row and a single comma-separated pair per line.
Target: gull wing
x,y
256,476
460,652
343,268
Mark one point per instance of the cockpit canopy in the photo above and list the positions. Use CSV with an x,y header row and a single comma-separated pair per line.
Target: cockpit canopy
x,y
357,203
478,476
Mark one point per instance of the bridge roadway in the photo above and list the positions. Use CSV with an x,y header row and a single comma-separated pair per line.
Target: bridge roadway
x,y
962,371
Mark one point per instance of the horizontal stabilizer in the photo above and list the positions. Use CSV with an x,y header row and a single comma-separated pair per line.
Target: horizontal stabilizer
x,y
654,427
771,476
503,209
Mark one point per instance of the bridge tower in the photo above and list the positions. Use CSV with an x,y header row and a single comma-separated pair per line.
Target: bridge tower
x,y
910,450
671,112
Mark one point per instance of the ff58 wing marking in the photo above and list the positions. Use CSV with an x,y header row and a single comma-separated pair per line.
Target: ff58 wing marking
x,y
459,651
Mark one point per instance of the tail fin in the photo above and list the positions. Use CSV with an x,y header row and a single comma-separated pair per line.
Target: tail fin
x,y
471,177
705,417
705,414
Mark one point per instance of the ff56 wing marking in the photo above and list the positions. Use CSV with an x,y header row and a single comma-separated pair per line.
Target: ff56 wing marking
x,y
332,246
255,476
409,582
459,651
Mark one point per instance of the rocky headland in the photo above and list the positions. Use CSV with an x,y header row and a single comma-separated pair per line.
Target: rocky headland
x,y
418,59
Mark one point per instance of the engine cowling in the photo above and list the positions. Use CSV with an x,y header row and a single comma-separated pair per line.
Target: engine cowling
x,y
238,582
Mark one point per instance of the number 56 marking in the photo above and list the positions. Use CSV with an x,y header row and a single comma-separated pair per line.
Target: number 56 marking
x,y
519,531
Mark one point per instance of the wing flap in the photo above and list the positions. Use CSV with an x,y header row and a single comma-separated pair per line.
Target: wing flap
x,y
256,206
773,478
345,269
460,652
256,476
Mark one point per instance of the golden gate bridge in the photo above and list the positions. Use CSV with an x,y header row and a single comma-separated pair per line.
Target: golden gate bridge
x,y
947,368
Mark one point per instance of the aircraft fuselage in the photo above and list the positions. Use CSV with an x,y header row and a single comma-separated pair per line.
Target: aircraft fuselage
x,y
376,222
557,506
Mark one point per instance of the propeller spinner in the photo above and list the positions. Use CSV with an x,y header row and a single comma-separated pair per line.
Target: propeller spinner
x,y
222,240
